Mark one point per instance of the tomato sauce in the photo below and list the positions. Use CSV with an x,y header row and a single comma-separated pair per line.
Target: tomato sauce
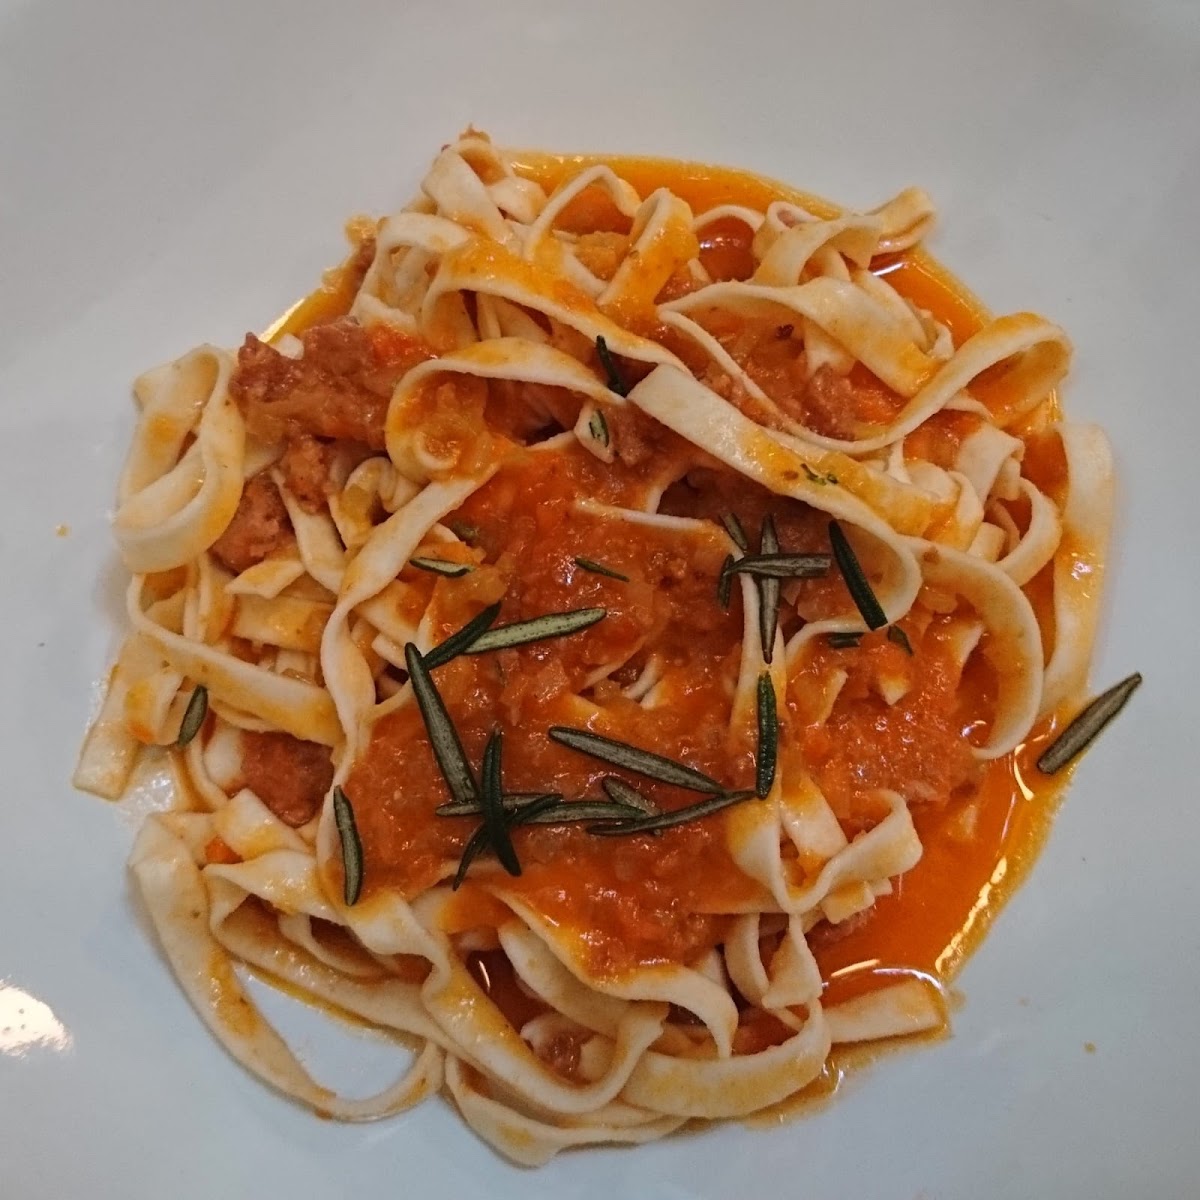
x,y
635,901
632,899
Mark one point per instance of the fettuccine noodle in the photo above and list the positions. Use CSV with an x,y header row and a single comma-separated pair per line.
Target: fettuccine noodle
x,y
564,385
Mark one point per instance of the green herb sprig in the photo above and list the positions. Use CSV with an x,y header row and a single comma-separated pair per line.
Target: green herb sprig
x,y
859,586
816,477
633,758
736,531
511,801
782,566
441,566
620,792
537,629
478,636
463,639
846,641
495,821
725,581
598,568
616,381
598,428
193,716
1088,725
768,737
351,843
447,747
679,816
768,591
479,840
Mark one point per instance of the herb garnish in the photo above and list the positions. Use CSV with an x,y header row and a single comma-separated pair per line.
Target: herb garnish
x,y
463,639
735,529
193,716
856,578
783,566
845,641
537,629
897,635
510,800
628,811
352,852
616,381
768,737
568,812
598,427
479,841
635,759
680,816
768,591
478,637
767,568
1087,726
440,566
495,822
597,568
549,809
816,477
725,581
619,792
476,843
443,737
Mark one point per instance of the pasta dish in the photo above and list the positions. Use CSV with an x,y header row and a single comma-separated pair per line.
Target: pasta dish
x,y
605,638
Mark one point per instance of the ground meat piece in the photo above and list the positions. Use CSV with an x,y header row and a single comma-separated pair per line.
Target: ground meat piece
x,y
636,439
289,776
305,466
563,1052
602,252
830,404
338,388
681,282
259,526
840,406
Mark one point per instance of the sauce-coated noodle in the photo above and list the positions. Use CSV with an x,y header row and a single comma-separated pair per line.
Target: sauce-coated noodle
x,y
560,384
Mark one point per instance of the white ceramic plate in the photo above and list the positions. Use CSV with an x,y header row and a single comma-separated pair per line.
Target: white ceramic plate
x,y
176,173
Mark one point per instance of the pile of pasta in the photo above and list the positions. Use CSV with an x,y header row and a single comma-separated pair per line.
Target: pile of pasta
x,y
488,273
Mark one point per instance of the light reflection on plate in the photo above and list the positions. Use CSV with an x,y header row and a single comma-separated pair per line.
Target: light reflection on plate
x,y
28,1024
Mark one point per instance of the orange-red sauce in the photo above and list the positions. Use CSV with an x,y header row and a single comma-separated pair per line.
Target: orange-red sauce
x,y
635,901
632,899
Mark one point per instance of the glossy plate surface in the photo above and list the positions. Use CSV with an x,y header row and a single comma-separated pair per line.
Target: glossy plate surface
x,y
171,174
